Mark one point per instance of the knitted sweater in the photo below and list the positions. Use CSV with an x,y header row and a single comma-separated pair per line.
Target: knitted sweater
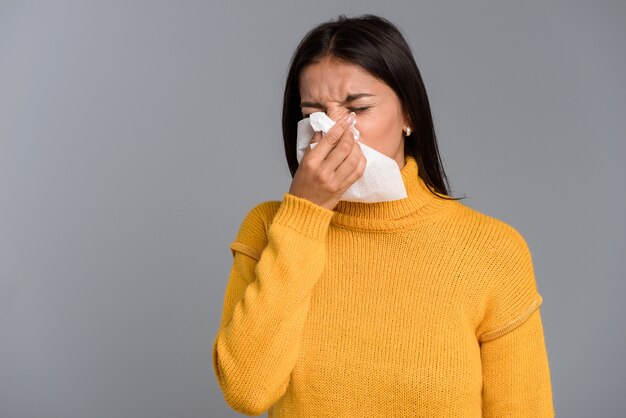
x,y
418,307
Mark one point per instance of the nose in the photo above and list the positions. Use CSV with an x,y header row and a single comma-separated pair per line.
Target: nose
x,y
337,114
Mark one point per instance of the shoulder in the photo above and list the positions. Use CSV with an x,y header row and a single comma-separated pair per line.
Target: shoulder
x,y
490,234
505,276
251,237
260,214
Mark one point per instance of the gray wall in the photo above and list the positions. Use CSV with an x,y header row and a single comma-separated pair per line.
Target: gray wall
x,y
134,137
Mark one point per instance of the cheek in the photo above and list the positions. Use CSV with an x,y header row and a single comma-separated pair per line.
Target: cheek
x,y
376,131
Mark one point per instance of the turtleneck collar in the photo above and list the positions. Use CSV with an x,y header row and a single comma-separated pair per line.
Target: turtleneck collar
x,y
419,204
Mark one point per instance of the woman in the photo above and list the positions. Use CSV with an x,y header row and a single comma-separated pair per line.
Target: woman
x,y
413,307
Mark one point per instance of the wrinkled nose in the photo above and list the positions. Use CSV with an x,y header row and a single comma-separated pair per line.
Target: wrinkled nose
x,y
337,114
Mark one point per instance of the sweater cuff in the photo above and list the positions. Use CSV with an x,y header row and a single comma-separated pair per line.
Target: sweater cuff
x,y
304,216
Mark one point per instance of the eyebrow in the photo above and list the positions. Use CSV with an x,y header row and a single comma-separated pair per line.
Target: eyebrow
x,y
349,98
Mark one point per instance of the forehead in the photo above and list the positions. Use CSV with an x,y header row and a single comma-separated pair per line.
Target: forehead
x,y
333,79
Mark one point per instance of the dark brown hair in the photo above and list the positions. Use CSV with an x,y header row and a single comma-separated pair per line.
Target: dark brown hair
x,y
376,45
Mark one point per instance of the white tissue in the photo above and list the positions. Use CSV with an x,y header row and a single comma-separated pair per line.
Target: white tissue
x,y
381,181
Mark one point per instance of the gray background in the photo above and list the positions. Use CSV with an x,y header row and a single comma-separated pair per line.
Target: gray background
x,y
135,136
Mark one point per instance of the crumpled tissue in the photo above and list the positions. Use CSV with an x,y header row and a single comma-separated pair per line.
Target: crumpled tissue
x,y
381,181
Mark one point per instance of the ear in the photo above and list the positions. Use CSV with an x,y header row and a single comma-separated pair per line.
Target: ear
x,y
407,121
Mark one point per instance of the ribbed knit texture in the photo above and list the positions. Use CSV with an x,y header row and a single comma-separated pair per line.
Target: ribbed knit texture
x,y
419,307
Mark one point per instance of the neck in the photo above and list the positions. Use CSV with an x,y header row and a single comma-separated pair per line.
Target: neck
x,y
419,204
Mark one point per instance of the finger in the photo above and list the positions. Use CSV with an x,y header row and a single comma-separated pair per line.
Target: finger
x,y
349,171
330,140
317,137
341,151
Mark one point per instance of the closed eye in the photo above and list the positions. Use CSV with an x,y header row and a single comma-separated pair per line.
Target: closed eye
x,y
352,109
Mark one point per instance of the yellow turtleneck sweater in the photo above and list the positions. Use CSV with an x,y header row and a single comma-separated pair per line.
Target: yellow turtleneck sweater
x,y
418,307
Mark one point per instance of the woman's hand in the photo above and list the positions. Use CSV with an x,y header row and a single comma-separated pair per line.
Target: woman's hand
x,y
329,169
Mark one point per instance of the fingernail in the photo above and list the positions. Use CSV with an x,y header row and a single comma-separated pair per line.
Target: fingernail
x,y
351,117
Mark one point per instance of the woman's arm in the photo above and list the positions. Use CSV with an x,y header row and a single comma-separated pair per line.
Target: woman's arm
x,y
516,374
266,302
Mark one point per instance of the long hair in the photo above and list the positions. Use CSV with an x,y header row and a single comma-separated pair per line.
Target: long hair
x,y
376,45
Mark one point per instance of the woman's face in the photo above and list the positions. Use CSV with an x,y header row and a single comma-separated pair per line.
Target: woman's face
x,y
328,85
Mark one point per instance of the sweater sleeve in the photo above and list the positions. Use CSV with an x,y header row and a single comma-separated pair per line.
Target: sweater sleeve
x,y
516,374
512,289
266,302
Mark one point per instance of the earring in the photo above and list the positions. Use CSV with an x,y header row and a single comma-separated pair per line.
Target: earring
x,y
407,131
